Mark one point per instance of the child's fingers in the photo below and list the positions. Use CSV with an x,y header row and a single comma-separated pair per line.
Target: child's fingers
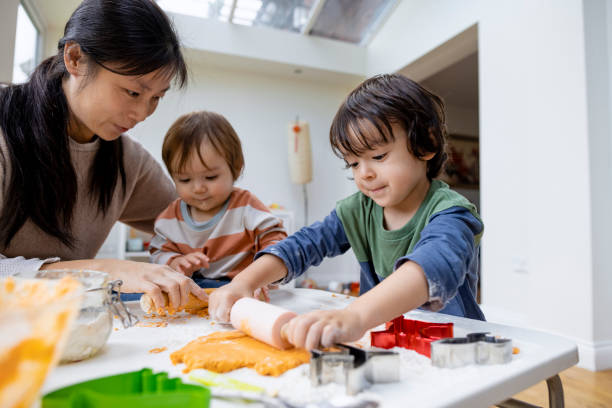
x,y
222,311
202,260
298,329
330,335
313,336
265,294
184,263
201,256
261,294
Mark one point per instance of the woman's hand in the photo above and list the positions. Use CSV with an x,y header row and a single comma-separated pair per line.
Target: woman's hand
x,y
137,277
324,328
220,302
188,264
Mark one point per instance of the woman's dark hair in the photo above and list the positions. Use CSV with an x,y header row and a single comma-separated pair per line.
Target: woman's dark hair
x,y
187,134
137,38
386,100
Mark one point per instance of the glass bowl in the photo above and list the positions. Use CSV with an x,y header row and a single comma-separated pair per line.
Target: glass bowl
x,y
94,322
36,316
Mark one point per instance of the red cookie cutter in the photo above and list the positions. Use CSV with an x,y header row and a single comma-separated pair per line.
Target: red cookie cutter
x,y
411,334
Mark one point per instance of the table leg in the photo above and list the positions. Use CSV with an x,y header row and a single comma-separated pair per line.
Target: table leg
x,y
555,396
514,403
555,392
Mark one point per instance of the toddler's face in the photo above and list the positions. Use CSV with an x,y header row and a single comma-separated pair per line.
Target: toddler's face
x,y
204,188
390,175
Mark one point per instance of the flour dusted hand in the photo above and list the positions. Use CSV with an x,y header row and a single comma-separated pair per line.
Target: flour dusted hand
x,y
324,328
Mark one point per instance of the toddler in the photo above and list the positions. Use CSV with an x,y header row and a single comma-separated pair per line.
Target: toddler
x,y
214,229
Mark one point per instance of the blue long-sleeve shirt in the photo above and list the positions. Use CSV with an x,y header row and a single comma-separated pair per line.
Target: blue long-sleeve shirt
x,y
444,243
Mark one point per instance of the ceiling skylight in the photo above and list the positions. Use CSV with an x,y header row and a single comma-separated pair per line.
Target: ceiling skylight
x,y
352,21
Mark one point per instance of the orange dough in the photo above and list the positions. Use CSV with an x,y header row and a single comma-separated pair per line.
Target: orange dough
x,y
226,351
194,305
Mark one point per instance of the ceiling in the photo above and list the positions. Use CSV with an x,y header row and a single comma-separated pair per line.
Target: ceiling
x,y
359,18
458,83
54,14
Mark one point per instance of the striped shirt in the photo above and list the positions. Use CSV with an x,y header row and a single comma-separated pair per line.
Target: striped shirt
x,y
230,239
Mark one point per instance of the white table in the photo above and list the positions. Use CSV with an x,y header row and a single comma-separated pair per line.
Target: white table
x,y
542,356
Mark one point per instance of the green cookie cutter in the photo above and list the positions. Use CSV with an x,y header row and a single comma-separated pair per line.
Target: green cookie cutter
x,y
136,389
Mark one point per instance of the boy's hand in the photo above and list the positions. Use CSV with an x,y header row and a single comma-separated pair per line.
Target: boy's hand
x,y
324,328
188,264
220,302
263,293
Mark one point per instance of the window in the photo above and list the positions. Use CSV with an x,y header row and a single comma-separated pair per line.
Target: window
x,y
26,46
353,21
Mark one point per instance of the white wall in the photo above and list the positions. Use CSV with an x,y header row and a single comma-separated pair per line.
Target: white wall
x,y
260,108
535,146
8,28
599,80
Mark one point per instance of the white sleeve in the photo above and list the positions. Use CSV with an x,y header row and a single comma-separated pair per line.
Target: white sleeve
x,y
11,266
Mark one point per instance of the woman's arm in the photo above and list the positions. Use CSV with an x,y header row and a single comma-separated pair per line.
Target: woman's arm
x,y
141,277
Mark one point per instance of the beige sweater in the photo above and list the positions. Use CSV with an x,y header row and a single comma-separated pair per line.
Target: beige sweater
x,y
148,193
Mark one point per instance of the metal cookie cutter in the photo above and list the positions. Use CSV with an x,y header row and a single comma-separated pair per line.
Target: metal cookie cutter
x,y
411,334
354,367
475,348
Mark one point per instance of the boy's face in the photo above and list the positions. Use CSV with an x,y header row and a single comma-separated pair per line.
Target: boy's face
x,y
204,188
392,176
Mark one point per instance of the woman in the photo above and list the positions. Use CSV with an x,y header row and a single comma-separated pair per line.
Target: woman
x,y
67,170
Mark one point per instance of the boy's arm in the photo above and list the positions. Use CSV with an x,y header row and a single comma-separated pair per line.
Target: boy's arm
x,y
440,258
282,262
403,290
445,251
309,246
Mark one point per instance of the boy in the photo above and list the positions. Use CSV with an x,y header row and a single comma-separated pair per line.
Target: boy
x,y
416,240
214,229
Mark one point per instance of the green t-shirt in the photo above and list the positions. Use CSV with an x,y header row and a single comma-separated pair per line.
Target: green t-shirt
x,y
362,219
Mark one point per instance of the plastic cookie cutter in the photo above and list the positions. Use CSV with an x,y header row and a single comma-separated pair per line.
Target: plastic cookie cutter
x,y
475,348
411,334
137,389
357,369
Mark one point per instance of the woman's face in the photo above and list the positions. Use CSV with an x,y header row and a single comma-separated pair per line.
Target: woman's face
x,y
107,104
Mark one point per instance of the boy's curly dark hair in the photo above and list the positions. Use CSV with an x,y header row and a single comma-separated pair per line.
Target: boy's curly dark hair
x,y
386,100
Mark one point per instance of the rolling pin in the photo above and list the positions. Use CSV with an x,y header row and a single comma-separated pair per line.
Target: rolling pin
x,y
193,304
261,321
